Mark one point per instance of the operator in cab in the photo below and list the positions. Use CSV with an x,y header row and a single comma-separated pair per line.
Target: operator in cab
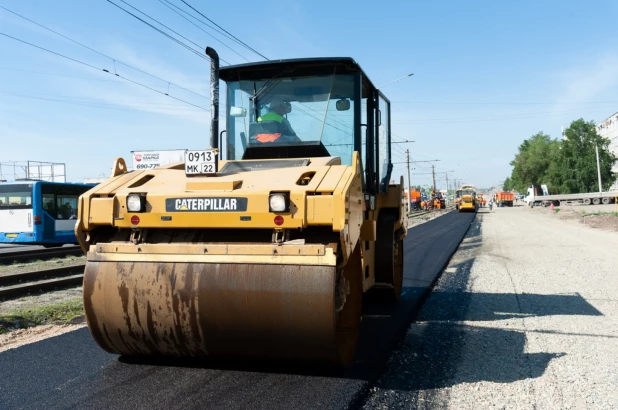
x,y
276,111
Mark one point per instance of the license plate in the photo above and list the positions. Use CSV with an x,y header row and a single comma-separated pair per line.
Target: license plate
x,y
201,162
11,235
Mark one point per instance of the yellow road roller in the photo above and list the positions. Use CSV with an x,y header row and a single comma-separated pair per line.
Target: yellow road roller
x,y
262,245
467,199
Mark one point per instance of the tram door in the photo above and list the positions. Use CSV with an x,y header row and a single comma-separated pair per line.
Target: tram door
x,y
59,204
48,202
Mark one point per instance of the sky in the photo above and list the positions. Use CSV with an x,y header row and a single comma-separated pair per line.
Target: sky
x,y
487,74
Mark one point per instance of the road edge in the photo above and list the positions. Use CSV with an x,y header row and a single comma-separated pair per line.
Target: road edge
x,y
359,400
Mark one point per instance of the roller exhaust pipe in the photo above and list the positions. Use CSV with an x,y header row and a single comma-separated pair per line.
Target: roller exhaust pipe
x,y
214,97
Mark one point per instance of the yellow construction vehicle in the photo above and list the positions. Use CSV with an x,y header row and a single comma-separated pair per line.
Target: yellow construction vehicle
x,y
262,245
466,199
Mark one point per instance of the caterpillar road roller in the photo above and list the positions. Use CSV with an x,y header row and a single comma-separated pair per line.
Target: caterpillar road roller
x,y
262,245
467,199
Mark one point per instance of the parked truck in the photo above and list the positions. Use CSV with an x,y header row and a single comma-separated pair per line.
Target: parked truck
x,y
506,197
415,200
539,195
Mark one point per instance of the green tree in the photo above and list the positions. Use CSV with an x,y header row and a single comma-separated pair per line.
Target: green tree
x,y
507,185
575,166
532,162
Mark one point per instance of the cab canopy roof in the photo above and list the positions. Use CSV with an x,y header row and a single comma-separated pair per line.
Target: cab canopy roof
x,y
298,67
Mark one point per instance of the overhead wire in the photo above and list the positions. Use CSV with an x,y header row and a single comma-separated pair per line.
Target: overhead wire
x,y
123,107
103,70
169,5
495,118
174,39
61,75
103,100
104,55
233,37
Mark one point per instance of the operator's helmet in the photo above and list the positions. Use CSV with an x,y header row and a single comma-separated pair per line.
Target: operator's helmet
x,y
278,102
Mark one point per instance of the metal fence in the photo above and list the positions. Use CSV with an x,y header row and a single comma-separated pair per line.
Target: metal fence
x,y
32,170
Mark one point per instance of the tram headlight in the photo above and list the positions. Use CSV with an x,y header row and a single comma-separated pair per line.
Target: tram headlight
x,y
136,203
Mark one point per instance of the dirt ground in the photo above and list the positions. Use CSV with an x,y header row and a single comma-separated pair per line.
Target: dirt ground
x,y
606,219
22,337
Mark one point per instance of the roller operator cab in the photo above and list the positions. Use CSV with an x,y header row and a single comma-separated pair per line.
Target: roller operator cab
x,y
264,248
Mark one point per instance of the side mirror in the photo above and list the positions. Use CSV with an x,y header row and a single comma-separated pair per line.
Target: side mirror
x,y
343,105
238,112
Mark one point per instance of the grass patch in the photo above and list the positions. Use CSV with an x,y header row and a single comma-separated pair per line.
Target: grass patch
x,y
599,213
62,312
38,264
556,210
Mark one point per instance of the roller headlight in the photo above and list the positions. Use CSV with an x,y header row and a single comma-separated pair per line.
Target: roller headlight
x,y
279,202
136,203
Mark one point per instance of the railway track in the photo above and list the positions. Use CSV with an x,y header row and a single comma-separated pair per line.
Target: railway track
x,y
17,284
421,213
25,255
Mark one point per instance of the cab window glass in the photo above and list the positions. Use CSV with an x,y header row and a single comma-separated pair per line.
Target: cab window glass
x,y
383,140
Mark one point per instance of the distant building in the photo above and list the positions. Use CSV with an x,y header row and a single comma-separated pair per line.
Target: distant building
x,y
609,129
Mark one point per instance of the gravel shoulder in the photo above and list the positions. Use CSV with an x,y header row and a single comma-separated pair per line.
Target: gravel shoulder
x,y
421,219
525,316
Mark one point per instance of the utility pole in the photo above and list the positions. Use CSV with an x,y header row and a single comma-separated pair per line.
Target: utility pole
x,y
447,183
433,175
408,165
596,146
409,182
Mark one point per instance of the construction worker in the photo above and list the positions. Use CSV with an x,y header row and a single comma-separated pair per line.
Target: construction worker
x,y
276,111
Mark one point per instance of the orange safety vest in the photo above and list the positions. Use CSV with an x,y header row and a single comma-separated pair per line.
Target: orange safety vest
x,y
269,116
268,137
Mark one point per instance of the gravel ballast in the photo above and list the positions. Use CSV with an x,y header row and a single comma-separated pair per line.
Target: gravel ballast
x,y
524,316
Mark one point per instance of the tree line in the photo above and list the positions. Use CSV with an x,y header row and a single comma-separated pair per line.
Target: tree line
x,y
566,165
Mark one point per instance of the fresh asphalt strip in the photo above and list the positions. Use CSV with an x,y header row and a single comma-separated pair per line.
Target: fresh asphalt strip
x,y
71,371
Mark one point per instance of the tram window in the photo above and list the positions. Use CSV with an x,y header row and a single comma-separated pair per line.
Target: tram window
x,y
16,196
60,201
49,205
67,206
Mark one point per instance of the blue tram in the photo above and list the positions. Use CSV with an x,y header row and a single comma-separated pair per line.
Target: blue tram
x,y
38,212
